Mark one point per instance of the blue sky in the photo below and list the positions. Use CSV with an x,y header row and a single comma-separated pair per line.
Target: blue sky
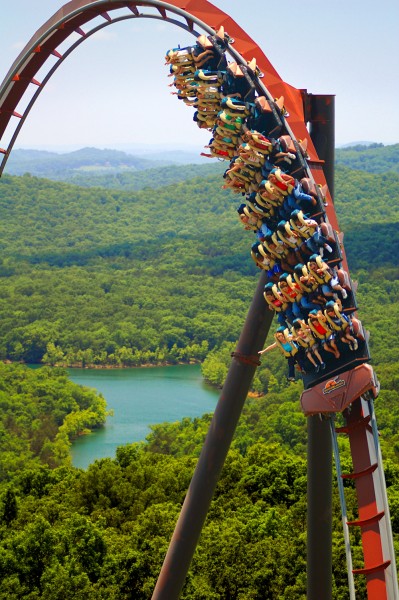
x,y
113,90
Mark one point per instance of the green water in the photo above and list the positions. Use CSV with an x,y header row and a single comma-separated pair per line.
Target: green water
x,y
140,398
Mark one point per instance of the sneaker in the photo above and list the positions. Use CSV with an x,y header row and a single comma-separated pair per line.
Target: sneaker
x,y
355,345
323,365
328,248
290,378
317,369
344,294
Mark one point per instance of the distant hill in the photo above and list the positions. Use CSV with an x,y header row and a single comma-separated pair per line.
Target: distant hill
x,y
178,157
150,178
351,144
86,160
112,169
375,158
118,169
105,272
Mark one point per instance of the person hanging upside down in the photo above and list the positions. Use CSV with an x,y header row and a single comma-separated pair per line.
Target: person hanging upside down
x,y
285,343
276,302
340,323
326,277
310,231
319,326
292,294
305,340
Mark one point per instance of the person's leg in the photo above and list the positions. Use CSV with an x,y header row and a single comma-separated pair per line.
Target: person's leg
x,y
291,368
310,358
318,356
334,348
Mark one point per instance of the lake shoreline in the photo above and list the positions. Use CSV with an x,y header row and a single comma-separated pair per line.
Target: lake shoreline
x,y
100,367
124,367
139,399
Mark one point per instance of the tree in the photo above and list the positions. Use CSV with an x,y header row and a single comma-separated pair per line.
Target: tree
x,y
10,507
54,355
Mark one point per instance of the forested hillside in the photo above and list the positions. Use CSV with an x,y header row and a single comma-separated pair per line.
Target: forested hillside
x,y
102,533
102,272
90,167
63,165
151,178
94,276
375,158
124,170
101,276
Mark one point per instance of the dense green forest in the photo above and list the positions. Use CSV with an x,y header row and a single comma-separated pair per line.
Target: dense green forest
x,y
111,168
374,158
114,169
41,411
154,178
55,165
103,532
93,276
126,277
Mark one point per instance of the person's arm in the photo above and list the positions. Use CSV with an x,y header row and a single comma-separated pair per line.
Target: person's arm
x,y
271,347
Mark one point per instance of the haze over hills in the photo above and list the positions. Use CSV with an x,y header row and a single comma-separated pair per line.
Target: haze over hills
x,y
178,236
154,167
51,164
375,158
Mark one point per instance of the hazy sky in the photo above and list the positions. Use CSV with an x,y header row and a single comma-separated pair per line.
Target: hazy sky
x,y
113,90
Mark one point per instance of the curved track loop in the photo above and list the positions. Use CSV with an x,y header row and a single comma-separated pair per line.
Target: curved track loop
x,y
75,20
79,19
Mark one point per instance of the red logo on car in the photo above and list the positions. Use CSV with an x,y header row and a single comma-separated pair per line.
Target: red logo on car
x,y
333,384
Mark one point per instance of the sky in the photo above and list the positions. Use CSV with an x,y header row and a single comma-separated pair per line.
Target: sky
x,y
112,91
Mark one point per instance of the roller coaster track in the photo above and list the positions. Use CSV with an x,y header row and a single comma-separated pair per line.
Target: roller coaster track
x,y
349,389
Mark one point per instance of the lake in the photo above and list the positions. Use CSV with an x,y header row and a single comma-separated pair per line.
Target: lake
x,y
139,398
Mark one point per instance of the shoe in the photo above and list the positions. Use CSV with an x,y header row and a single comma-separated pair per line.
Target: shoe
x,y
328,248
351,347
290,378
323,365
317,369
355,345
344,294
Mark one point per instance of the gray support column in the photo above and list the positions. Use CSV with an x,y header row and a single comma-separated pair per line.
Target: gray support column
x,y
319,521
322,132
215,449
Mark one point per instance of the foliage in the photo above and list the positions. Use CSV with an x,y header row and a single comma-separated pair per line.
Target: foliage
x,y
91,167
93,276
82,282
154,178
61,166
73,294
373,158
103,533
41,412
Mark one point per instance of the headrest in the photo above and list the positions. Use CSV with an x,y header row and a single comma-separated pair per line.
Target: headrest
x,y
203,41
